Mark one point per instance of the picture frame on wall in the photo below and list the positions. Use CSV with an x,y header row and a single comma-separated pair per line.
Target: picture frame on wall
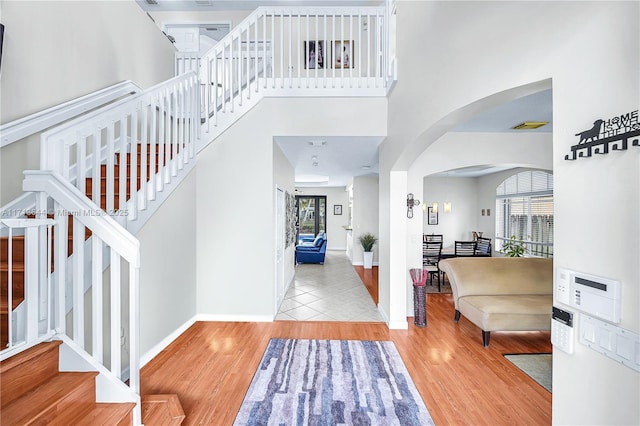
x,y
343,54
432,216
337,209
314,54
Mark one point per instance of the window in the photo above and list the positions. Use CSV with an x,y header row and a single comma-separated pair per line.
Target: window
x,y
524,209
312,216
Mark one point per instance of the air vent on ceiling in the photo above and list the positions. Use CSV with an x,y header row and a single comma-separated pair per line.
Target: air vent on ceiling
x,y
203,2
151,1
530,125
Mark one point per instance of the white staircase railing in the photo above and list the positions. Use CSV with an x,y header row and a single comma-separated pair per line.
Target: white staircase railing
x,y
100,173
102,338
291,51
27,252
145,139
37,122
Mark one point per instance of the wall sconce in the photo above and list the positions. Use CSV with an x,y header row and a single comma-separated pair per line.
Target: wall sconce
x,y
447,207
410,204
434,207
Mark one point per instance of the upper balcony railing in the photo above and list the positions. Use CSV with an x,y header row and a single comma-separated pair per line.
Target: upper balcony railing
x,y
288,52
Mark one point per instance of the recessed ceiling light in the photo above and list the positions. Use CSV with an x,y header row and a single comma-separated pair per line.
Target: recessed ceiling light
x,y
530,125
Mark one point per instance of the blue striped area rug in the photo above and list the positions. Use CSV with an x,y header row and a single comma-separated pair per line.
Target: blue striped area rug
x,y
330,382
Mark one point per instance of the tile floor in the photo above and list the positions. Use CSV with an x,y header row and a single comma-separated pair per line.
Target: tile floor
x,y
329,292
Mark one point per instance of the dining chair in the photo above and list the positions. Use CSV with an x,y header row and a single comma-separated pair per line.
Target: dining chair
x,y
465,248
483,247
431,251
431,238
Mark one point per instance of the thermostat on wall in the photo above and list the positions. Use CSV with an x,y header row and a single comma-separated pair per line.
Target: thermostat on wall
x,y
597,296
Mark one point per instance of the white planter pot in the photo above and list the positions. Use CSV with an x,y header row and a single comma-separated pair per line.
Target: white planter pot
x,y
368,259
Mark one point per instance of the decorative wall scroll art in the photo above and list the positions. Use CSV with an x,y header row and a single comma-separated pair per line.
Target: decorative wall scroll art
x,y
290,218
613,134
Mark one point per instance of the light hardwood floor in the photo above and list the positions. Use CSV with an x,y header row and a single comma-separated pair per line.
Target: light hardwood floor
x,y
211,366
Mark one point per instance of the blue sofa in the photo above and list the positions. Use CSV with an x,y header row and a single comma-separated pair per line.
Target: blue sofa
x,y
312,251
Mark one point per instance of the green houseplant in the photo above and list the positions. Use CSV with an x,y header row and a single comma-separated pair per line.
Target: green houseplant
x,y
513,247
367,240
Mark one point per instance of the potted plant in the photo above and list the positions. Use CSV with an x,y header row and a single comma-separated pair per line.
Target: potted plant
x,y
367,240
513,247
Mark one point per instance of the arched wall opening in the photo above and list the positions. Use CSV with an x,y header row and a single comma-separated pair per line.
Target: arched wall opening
x,y
444,151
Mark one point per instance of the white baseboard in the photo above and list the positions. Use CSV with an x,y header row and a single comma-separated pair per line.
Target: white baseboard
x,y
393,325
153,352
234,318
360,263
398,325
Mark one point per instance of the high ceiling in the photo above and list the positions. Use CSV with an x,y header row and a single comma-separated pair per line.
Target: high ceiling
x,y
208,5
333,161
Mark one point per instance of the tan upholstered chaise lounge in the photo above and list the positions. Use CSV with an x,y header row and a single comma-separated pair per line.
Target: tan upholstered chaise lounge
x,y
502,293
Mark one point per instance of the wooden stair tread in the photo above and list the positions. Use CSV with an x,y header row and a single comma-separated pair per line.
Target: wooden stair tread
x,y
100,414
162,409
26,356
62,392
4,304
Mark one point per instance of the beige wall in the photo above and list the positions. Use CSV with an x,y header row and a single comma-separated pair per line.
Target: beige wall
x,y
55,51
168,266
475,55
365,215
235,198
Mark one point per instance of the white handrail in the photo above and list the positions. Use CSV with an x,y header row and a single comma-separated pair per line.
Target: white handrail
x,y
123,249
88,213
157,128
291,52
37,122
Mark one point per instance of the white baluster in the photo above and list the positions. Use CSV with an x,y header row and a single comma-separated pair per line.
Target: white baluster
x,y
97,301
116,309
133,178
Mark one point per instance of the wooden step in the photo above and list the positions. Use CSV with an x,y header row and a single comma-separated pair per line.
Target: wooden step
x,y
62,393
4,329
27,370
17,243
116,185
162,409
99,414
116,170
17,282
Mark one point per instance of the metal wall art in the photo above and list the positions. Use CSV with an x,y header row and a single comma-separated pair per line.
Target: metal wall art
x,y
291,218
605,135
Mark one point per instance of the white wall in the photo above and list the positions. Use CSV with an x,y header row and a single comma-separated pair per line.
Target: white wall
x,y
168,266
468,196
235,201
456,150
55,51
365,215
336,224
461,221
483,51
